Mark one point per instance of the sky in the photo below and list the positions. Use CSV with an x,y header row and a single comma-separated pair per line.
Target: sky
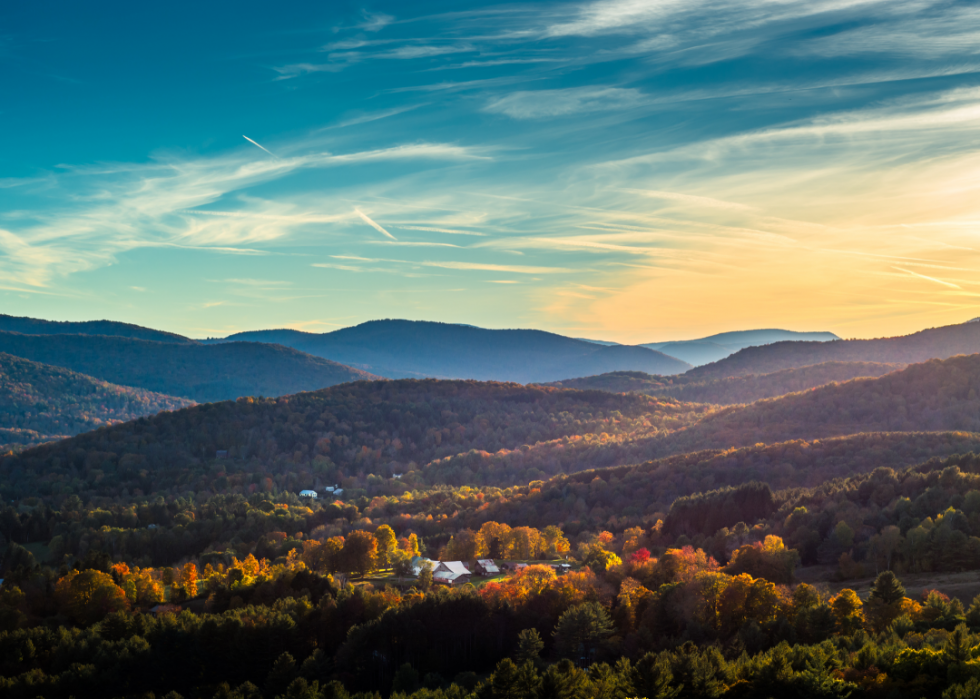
x,y
625,170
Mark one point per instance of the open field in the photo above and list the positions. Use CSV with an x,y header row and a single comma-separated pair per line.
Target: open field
x,y
965,585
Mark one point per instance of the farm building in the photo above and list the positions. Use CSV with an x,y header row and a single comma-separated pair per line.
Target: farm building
x,y
451,573
307,494
486,566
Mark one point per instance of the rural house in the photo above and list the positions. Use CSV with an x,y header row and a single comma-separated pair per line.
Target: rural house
x,y
451,573
486,566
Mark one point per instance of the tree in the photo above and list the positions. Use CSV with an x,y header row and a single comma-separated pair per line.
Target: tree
x,y
769,559
888,588
600,560
494,538
283,672
465,545
425,576
360,552
652,678
529,646
580,631
554,542
406,679
847,609
386,545
188,580
89,596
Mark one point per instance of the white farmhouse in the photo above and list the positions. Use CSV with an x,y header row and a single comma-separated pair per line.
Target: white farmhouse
x,y
307,494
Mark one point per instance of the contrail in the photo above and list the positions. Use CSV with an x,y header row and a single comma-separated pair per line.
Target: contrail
x,y
931,279
260,146
367,220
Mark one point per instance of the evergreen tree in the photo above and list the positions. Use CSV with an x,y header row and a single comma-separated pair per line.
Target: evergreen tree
x,y
529,646
581,629
888,588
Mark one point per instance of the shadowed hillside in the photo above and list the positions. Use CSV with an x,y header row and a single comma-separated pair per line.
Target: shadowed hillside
x,y
935,343
39,403
729,391
199,372
364,430
36,326
601,497
403,348
934,395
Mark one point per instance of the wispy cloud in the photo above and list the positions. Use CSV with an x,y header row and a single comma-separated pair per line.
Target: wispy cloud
x,y
542,104
452,231
163,204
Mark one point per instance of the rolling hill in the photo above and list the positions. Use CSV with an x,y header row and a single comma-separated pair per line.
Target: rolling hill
x,y
933,395
189,370
934,343
590,497
729,391
716,347
40,403
35,326
364,432
409,349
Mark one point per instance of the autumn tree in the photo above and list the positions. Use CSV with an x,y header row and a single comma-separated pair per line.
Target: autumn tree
x,y
769,559
89,596
464,545
387,542
188,580
360,552
847,609
553,541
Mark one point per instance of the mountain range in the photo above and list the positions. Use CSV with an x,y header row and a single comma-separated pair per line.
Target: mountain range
x,y
934,343
416,349
716,347
732,389
185,369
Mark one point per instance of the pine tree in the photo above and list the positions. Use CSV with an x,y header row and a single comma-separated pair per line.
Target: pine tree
x,y
888,588
529,646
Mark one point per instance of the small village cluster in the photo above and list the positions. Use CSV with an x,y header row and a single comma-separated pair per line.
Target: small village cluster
x,y
332,490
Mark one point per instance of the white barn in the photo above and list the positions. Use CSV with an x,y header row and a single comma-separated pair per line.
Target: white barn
x,y
307,494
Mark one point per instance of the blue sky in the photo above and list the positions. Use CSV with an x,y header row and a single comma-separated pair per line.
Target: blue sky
x,y
635,171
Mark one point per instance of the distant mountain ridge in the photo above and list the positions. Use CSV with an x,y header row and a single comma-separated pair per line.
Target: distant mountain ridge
x,y
414,349
936,395
716,347
36,326
731,390
934,343
197,371
39,402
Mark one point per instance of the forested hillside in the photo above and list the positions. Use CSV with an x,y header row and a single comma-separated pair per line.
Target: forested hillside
x,y
935,343
40,403
180,537
623,496
36,326
733,390
933,395
189,370
415,349
351,431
